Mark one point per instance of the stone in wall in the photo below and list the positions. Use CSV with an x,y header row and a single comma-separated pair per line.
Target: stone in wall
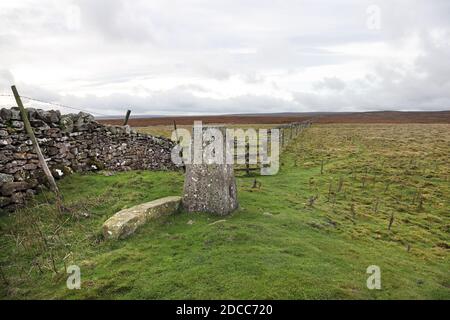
x,y
70,143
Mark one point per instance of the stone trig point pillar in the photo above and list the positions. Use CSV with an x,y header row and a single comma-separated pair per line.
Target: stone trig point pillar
x,y
208,186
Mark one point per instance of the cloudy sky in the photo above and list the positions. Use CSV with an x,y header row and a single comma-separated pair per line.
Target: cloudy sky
x,y
226,56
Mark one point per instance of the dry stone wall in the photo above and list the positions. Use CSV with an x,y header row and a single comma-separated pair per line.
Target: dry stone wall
x,y
71,143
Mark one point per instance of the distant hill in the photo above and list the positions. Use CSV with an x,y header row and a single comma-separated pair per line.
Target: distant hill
x,y
286,117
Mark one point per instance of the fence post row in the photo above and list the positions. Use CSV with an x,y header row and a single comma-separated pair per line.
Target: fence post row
x,y
295,128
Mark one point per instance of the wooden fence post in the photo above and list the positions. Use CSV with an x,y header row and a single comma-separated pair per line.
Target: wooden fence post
x,y
30,132
175,128
247,158
127,117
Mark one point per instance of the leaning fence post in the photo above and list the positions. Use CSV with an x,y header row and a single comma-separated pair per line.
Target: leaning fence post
x,y
127,117
30,132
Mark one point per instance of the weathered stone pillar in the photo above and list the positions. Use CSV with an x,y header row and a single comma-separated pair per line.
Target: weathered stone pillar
x,y
210,187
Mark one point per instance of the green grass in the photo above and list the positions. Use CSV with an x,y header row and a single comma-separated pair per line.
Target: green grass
x,y
278,245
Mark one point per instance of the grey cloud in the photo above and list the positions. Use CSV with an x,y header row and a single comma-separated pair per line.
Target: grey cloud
x,y
177,101
332,83
196,44
116,20
6,79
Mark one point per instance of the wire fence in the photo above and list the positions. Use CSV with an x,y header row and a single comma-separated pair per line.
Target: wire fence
x,y
54,104
287,132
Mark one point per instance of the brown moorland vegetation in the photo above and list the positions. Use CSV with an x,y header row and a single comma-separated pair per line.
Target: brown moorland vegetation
x,y
344,117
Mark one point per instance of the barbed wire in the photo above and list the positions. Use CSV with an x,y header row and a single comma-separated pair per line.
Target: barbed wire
x,y
55,104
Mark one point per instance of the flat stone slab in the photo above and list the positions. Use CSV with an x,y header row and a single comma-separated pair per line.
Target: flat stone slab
x,y
126,221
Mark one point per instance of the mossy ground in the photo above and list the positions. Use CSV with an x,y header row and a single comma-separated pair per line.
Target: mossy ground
x,y
309,232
